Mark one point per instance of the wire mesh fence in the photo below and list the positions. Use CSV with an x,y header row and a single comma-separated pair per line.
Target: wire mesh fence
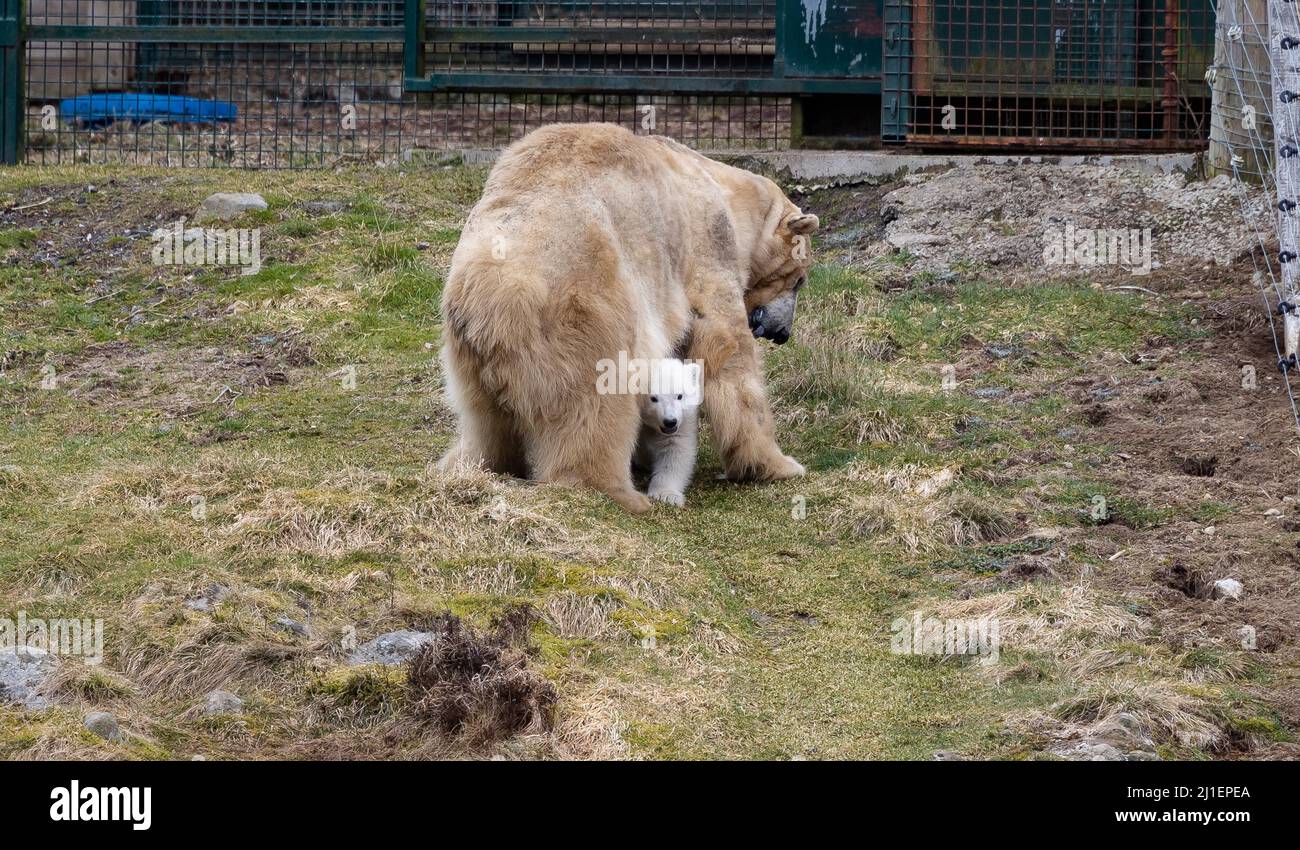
x,y
1111,74
319,82
1256,138
285,83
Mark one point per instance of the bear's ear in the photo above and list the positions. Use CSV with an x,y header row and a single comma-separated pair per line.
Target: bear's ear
x,y
802,223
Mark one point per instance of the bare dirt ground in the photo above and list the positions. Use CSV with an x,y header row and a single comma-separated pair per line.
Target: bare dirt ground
x,y
1178,422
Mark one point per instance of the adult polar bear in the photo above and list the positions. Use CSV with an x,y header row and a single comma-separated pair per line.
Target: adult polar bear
x,y
590,241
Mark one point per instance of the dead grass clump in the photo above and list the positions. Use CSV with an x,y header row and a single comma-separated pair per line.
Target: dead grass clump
x,y
918,510
1169,715
358,696
71,680
1060,622
214,655
325,524
572,615
478,688
15,479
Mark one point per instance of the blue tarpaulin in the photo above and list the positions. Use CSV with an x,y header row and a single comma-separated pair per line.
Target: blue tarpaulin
x,y
102,109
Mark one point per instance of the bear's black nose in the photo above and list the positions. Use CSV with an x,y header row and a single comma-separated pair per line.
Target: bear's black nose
x,y
780,337
669,426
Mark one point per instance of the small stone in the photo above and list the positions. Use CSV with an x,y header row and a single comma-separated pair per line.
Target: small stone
x,y
222,702
1273,512
1209,530
224,206
421,246
991,392
104,725
324,207
391,648
209,600
284,624
1103,393
908,241
1001,352
21,672
1089,751
1227,588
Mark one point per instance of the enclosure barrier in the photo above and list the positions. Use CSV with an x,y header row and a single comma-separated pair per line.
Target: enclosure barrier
x,y
319,82
1086,74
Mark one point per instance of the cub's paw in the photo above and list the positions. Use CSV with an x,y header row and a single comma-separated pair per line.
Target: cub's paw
x,y
671,497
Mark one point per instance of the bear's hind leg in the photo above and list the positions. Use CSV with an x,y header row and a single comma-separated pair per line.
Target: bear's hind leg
x,y
487,433
594,446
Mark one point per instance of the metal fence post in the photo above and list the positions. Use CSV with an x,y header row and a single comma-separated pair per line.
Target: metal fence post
x,y
12,93
1284,56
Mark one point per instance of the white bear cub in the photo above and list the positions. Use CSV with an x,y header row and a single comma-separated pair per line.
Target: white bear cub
x,y
670,424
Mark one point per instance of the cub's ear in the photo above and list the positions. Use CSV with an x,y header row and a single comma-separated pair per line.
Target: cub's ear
x,y
802,223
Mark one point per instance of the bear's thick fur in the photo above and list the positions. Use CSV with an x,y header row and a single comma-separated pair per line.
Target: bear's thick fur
x,y
590,241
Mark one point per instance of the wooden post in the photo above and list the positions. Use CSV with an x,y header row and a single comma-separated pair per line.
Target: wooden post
x,y
1284,53
1240,78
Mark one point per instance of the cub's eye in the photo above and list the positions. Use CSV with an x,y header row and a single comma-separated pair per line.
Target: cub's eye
x,y
679,398
654,399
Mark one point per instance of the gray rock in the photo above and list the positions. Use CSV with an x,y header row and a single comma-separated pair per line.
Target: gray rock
x,y
1001,352
105,726
904,241
947,755
1103,393
284,624
224,206
1088,751
392,648
21,672
991,392
209,600
324,207
1093,749
1125,731
1228,588
222,702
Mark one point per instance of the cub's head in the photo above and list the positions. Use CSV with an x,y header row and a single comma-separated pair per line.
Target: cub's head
x,y
663,412
674,390
778,266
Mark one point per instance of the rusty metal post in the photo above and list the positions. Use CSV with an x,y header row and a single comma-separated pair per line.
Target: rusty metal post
x,y
1170,93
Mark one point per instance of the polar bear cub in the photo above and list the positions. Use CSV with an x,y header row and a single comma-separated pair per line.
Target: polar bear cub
x,y
669,438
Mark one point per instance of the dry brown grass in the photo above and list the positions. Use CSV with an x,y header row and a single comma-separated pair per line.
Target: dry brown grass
x,y
915,508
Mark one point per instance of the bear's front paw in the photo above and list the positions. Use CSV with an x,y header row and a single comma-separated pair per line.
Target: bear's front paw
x,y
671,497
790,468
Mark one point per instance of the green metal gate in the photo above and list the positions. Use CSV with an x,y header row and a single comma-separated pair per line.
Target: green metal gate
x,y
673,47
11,81
421,73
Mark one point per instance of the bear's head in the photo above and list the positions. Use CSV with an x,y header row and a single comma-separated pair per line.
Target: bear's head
x,y
779,268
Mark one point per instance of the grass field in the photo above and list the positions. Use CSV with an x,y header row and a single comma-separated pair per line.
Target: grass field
x,y
166,430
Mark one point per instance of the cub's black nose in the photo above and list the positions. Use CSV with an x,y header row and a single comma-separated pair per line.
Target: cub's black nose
x,y
669,426
779,337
